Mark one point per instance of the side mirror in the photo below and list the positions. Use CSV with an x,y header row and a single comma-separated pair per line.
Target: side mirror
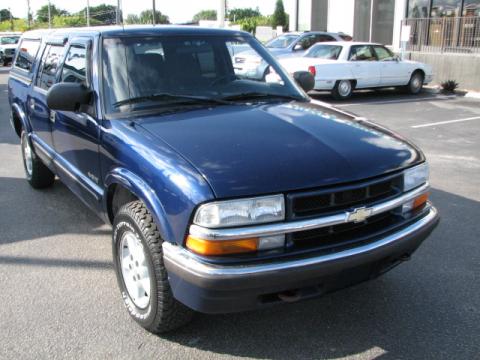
x,y
68,96
305,79
298,47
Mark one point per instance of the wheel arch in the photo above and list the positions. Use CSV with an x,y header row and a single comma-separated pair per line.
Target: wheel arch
x,y
123,186
20,120
419,70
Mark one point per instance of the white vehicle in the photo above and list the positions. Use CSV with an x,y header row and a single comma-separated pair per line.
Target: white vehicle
x,y
345,66
8,45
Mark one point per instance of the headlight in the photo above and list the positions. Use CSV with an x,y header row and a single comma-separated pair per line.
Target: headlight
x,y
241,212
415,176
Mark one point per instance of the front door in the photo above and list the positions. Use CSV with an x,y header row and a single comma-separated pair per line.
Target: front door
x,y
393,72
76,134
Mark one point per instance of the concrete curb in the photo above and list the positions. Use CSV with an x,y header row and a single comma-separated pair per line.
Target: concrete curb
x,y
460,92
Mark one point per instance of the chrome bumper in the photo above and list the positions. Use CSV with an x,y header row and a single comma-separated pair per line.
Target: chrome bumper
x,y
178,259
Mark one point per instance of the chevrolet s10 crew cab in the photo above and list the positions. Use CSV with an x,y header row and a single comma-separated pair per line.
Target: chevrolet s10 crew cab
x,y
225,192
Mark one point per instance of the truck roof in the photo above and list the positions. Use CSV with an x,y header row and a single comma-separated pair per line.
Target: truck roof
x,y
146,30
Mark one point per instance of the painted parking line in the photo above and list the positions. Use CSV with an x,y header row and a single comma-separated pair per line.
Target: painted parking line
x,y
446,122
398,101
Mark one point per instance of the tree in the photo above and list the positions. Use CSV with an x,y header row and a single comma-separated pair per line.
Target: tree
x,y
280,17
103,14
132,19
42,13
5,15
146,17
205,15
236,15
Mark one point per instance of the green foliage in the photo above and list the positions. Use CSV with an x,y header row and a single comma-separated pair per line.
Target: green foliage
x,y
250,24
18,25
5,15
237,15
280,17
101,14
205,15
42,13
145,17
449,86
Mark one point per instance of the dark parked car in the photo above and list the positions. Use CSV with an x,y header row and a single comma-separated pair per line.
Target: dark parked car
x,y
225,193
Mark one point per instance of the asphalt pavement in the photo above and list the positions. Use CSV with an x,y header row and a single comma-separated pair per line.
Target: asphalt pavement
x,y
59,297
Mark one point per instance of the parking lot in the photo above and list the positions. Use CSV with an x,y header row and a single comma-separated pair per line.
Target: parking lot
x,y
59,296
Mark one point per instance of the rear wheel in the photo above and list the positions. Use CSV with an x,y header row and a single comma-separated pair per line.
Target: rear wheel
x,y
141,274
416,83
343,89
38,175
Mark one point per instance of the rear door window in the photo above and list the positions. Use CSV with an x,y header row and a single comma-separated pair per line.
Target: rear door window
x,y
26,54
362,53
51,59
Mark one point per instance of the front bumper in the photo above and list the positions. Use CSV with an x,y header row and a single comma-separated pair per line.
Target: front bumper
x,y
211,288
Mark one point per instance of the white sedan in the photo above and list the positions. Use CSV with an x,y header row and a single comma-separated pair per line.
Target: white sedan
x,y
344,66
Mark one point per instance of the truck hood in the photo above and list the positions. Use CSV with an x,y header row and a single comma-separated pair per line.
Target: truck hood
x,y
246,150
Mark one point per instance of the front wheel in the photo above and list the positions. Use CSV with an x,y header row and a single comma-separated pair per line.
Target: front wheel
x,y
343,89
141,273
416,83
38,175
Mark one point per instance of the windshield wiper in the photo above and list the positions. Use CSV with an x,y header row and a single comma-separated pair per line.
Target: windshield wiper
x,y
260,95
181,99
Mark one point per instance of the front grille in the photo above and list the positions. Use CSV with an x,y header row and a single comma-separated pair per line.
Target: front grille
x,y
9,52
325,201
346,234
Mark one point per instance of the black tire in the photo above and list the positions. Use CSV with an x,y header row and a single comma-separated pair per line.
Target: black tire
x,y
343,89
37,173
415,84
163,312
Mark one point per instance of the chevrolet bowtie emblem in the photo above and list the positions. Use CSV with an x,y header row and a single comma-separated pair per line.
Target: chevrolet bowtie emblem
x,y
359,215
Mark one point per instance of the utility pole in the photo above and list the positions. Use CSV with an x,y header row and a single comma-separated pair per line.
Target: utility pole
x,y
28,13
154,20
117,12
49,15
11,19
88,13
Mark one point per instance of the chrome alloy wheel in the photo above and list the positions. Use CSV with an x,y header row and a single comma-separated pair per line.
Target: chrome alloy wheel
x,y
417,83
344,88
135,271
27,156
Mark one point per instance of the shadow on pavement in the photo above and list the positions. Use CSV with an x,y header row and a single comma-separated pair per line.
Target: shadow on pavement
x,y
421,309
29,214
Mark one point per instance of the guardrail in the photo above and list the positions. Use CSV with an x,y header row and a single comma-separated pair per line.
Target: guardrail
x,y
445,35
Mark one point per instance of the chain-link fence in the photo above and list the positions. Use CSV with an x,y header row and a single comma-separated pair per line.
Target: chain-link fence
x,y
445,35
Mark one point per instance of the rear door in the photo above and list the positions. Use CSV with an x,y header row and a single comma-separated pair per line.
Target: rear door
x,y
76,134
364,66
392,71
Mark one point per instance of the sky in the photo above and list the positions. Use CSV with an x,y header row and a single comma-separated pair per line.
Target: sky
x,y
178,10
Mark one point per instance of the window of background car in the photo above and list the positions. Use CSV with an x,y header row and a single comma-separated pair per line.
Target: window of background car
x,y
383,54
9,40
52,56
281,42
26,55
208,67
361,53
75,66
328,52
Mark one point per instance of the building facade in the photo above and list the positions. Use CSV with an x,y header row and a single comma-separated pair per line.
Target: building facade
x,y
381,20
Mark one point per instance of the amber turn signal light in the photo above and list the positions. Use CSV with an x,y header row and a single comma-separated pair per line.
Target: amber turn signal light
x,y
221,247
420,200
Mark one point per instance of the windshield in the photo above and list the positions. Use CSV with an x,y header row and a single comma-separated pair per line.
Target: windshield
x,y
142,73
281,42
9,40
327,52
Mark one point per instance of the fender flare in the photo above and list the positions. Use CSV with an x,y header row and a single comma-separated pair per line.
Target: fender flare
x,y
22,116
143,192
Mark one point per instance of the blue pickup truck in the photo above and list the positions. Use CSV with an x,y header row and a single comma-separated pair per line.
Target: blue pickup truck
x,y
225,192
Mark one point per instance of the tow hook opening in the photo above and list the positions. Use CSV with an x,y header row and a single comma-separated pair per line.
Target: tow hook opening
x,y
290,296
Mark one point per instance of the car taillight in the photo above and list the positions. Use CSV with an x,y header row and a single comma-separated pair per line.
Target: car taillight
x,y
311,70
